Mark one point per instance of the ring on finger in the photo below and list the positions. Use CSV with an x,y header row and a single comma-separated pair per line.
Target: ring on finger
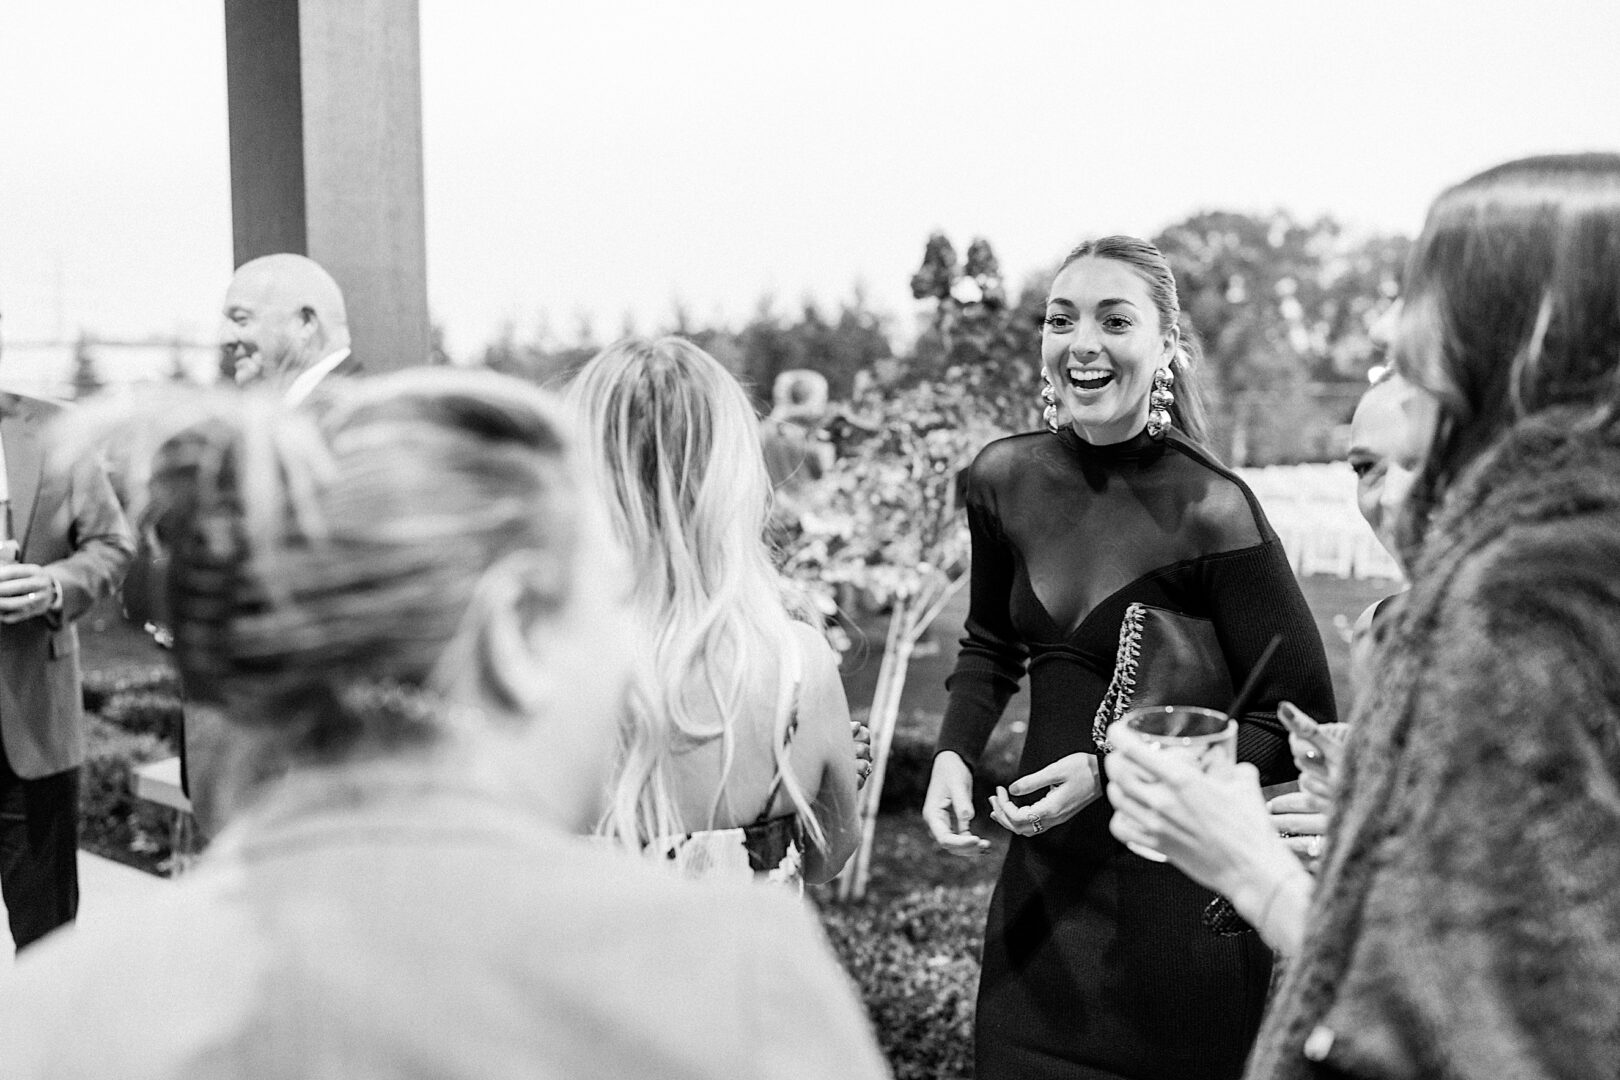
x,y
1036,821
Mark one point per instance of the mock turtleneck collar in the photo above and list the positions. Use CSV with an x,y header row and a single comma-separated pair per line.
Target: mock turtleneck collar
x,y
1139,447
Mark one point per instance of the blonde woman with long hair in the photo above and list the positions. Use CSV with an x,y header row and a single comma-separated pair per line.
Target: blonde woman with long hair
x,y
736,754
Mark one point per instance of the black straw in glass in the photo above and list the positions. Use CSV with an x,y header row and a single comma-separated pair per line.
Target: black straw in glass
x,y
1252,683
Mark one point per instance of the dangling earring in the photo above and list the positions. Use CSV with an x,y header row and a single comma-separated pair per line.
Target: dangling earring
x,y
1050,413
1159,401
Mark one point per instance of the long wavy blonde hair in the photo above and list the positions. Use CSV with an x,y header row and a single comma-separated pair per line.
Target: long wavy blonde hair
x,y
674,442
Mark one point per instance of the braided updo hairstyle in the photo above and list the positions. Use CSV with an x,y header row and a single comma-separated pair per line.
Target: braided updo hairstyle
x,y
327,570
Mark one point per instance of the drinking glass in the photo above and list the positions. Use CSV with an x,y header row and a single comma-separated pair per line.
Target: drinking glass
x,y
1203,736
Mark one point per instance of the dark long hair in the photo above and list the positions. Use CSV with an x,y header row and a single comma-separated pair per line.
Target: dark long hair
x,y
1511,306
1188,413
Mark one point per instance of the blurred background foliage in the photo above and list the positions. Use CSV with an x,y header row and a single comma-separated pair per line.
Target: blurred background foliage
x,y
1283,308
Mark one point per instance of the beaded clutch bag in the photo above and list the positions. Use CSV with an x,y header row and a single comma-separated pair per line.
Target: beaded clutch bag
x,y
1164,658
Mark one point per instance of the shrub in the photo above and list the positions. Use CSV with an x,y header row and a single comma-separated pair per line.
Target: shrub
x,y
112,822
101,684
916,963
911,759
145,712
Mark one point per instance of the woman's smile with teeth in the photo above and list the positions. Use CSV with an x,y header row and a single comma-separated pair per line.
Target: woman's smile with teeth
x,y
1090,378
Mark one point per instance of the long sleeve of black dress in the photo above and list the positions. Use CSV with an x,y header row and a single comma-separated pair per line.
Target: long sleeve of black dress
x,y
1097,963
992,659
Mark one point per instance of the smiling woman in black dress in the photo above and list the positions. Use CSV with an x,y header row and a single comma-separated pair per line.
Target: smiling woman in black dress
x,y
1098,963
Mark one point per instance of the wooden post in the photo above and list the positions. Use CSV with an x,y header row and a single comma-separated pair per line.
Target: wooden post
x,y
326,156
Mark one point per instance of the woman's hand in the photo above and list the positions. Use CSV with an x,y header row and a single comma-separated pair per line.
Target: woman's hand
x,y
863,752
1318,751
948,806
1301,820
1214,827
1074,781
1211,825
1320,764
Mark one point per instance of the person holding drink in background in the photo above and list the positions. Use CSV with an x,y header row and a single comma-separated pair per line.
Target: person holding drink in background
x,y
65,546
1466,921
1098,962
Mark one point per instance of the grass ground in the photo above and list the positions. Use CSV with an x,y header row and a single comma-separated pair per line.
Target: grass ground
x,y
108,641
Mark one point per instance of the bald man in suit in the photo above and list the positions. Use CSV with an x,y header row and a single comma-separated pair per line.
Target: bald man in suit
x,y
286,326
68,546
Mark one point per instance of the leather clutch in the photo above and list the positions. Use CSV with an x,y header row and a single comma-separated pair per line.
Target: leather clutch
x,y
1164,658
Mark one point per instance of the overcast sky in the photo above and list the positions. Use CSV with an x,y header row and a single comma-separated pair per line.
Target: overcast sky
x,y
604,158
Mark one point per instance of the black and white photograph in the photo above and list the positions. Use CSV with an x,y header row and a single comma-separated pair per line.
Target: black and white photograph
x,y
1047,540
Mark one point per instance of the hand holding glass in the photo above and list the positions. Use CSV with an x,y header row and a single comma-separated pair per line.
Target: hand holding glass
x,y
1203,736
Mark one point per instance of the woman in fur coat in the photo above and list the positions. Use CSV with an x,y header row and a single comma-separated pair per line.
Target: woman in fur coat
x,y
1465,921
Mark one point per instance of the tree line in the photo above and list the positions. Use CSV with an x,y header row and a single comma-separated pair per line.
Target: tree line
x,y
1282,306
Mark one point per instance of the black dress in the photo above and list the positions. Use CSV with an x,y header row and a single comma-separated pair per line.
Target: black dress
x,y
1097,963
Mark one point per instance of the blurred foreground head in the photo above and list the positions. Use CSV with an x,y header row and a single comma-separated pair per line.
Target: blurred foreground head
x,y
1510,307
421,560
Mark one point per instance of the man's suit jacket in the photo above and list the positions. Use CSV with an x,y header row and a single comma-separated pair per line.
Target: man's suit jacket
x,y
297,395
69,522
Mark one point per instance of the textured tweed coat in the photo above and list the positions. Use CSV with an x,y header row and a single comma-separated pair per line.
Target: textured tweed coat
x,y
1467,922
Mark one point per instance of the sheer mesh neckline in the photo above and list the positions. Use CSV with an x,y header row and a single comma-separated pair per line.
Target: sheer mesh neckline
x,y
1139,447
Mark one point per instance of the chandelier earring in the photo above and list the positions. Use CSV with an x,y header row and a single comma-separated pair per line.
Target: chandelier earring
x,y
1160,399
1050,412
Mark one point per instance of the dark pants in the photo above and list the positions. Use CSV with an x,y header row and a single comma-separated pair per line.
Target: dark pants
x,y
39,851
